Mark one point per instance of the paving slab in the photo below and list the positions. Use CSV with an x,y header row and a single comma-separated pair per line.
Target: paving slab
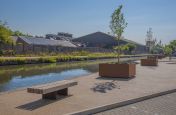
x,y
92,91
162,105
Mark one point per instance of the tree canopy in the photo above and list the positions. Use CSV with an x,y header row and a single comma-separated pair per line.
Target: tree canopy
x,y
18,33
157,49
118,23
131,47
5,34
128,47
168,50
172,45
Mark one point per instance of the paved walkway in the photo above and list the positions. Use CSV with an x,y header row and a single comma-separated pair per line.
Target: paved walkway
x,y
88,94
163,105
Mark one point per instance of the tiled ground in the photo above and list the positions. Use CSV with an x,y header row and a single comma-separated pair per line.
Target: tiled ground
x,y
163,105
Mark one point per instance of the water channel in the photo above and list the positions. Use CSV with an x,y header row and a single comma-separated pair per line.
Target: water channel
x,y
20,76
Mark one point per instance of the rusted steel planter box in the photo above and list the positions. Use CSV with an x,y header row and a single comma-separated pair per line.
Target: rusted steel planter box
x,y
160,56
117,70
155,57
149,62
152,57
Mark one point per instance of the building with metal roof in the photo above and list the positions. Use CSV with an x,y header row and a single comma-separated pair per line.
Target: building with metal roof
x,y
45,42
60,36
103,40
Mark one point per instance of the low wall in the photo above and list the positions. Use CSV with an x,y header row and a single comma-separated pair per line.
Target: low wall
x,y
25,49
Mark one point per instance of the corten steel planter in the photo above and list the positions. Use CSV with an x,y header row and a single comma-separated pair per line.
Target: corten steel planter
x,y
155,57
152,57
149,62
117,70
160,56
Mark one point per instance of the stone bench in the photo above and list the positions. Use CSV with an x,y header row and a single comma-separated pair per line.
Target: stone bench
x,y
52,90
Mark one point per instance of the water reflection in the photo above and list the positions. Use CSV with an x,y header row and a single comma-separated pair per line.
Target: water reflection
x,y
13,77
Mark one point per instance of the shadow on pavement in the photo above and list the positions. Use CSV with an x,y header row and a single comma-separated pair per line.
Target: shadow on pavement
x,y
39,103
105,86
116,79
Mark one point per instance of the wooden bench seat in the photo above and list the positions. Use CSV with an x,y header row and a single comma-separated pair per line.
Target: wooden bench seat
x,y
52,90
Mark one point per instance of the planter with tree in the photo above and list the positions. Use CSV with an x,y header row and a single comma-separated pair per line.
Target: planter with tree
x,y
124,70
150,61
158,49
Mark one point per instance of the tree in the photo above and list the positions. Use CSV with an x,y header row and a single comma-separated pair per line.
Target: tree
x,y
18,33
121,48
131,47
173,45
157,49
117,26
124,48
168,51
5,34
128,47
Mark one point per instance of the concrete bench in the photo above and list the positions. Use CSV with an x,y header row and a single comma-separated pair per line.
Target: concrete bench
x,y
52,90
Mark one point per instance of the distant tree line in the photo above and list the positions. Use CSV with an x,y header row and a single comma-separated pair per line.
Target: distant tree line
x,y
6,33
166,50
170,48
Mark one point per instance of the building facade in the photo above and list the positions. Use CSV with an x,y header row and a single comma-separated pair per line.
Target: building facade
x,y
60,36
64,42
103,40
32,45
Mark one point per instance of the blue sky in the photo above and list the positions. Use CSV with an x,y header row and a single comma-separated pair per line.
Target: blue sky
x,y
81,17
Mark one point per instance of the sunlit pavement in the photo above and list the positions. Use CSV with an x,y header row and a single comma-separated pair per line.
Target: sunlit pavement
x,y
149,80
162,105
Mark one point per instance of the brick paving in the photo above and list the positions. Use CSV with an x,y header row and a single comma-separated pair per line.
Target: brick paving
x,y
163,105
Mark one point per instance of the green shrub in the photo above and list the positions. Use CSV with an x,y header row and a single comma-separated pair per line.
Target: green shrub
x,y
48,60
59,58
20,60
80,53
51,60
2,61
8,52
1,52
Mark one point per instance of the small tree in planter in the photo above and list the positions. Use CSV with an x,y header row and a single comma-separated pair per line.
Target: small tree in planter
x,y
121,48
151,60
117,26
128,47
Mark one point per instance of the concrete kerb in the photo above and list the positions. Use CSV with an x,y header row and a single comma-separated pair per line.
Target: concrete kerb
x,y
119,104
